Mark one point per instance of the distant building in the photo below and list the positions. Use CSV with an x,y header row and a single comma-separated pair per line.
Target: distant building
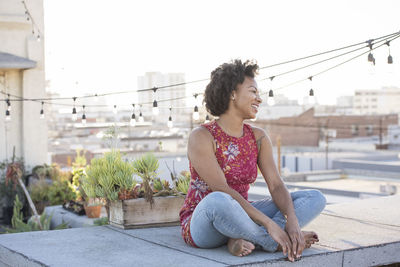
x,y
383,101
22,75
344,105
284,107
307,129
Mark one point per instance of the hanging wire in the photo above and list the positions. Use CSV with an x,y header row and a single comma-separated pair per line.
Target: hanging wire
x,y
261,68
270,92
369,45
329,51
333,67
34,25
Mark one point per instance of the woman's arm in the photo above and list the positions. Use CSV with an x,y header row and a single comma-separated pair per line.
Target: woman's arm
x,y
278,190
202,156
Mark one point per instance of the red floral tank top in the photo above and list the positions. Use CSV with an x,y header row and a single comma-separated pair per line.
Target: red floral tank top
x,y
237,158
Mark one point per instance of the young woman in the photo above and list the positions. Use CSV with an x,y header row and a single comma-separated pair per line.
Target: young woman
x,y
224,155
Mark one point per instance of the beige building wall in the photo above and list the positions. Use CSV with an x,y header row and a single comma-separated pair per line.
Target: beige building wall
x,y
26,131
384,101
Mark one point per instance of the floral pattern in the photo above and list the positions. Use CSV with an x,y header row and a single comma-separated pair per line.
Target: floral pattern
x,y
232,151
237,158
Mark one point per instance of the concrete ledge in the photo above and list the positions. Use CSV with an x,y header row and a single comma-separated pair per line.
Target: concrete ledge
x,y
361,233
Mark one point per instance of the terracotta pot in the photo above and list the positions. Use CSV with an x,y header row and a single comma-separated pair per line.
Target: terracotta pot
x,y
93,211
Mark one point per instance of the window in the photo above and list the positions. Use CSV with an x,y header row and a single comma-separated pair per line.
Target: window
x,y
354,129
369,129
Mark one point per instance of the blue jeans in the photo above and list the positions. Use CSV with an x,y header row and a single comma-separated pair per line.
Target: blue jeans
x,y
219,217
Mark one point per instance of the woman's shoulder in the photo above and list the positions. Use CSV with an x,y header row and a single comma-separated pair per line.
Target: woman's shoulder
x,y
258,132
201,133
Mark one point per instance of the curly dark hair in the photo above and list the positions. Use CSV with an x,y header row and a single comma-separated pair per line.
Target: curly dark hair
x,y
224,80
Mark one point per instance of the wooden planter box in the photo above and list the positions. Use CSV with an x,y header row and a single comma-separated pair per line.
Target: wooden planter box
x,y
137,213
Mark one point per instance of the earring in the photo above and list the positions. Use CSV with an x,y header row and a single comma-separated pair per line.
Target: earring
x,y
233,98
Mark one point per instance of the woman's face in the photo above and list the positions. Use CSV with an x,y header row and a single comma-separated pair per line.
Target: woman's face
x,y
246,99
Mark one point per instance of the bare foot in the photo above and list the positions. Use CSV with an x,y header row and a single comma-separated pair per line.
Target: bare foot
x,y
310,238
240,247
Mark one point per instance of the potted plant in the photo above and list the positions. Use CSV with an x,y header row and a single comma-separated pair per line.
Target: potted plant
x,y
93,208
131,203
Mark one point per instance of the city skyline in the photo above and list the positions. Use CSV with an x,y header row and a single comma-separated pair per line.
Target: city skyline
x,y
105,49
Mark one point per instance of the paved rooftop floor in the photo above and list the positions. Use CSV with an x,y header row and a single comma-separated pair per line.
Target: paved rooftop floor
x,y
362,233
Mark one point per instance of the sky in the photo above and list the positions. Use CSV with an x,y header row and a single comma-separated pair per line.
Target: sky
x,y
97,46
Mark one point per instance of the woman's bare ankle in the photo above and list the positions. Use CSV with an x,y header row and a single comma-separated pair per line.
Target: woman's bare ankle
x,y
240,247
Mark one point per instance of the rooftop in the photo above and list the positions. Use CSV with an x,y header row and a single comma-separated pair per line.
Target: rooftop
x,y
361,233
10,61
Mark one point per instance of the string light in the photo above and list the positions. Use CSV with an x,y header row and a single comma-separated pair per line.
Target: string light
x,y
311,96
370,43
115,111
141,119
270,98
8,115
74,115
170,123
390,58
155,105
370,55
133,118
42,111
207,120
34,25
196,113
34,35
8,104
196,109
83,115
385,38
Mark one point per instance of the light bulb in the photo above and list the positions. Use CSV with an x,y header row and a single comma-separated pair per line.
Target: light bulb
x,y
390,59
207,119
96,98
74,116
311,97
8,105
115,111
155,111
170,123
38,38
141,119
133,120
83,119
155,108
196,113
8,115
41,114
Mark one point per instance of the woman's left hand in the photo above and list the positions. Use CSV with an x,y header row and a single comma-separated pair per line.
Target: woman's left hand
x,y
294,232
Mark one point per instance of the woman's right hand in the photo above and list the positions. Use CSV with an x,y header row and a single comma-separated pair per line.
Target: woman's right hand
x,y
282,238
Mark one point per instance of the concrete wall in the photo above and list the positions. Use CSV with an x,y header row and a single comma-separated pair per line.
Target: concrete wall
x,y
26,131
